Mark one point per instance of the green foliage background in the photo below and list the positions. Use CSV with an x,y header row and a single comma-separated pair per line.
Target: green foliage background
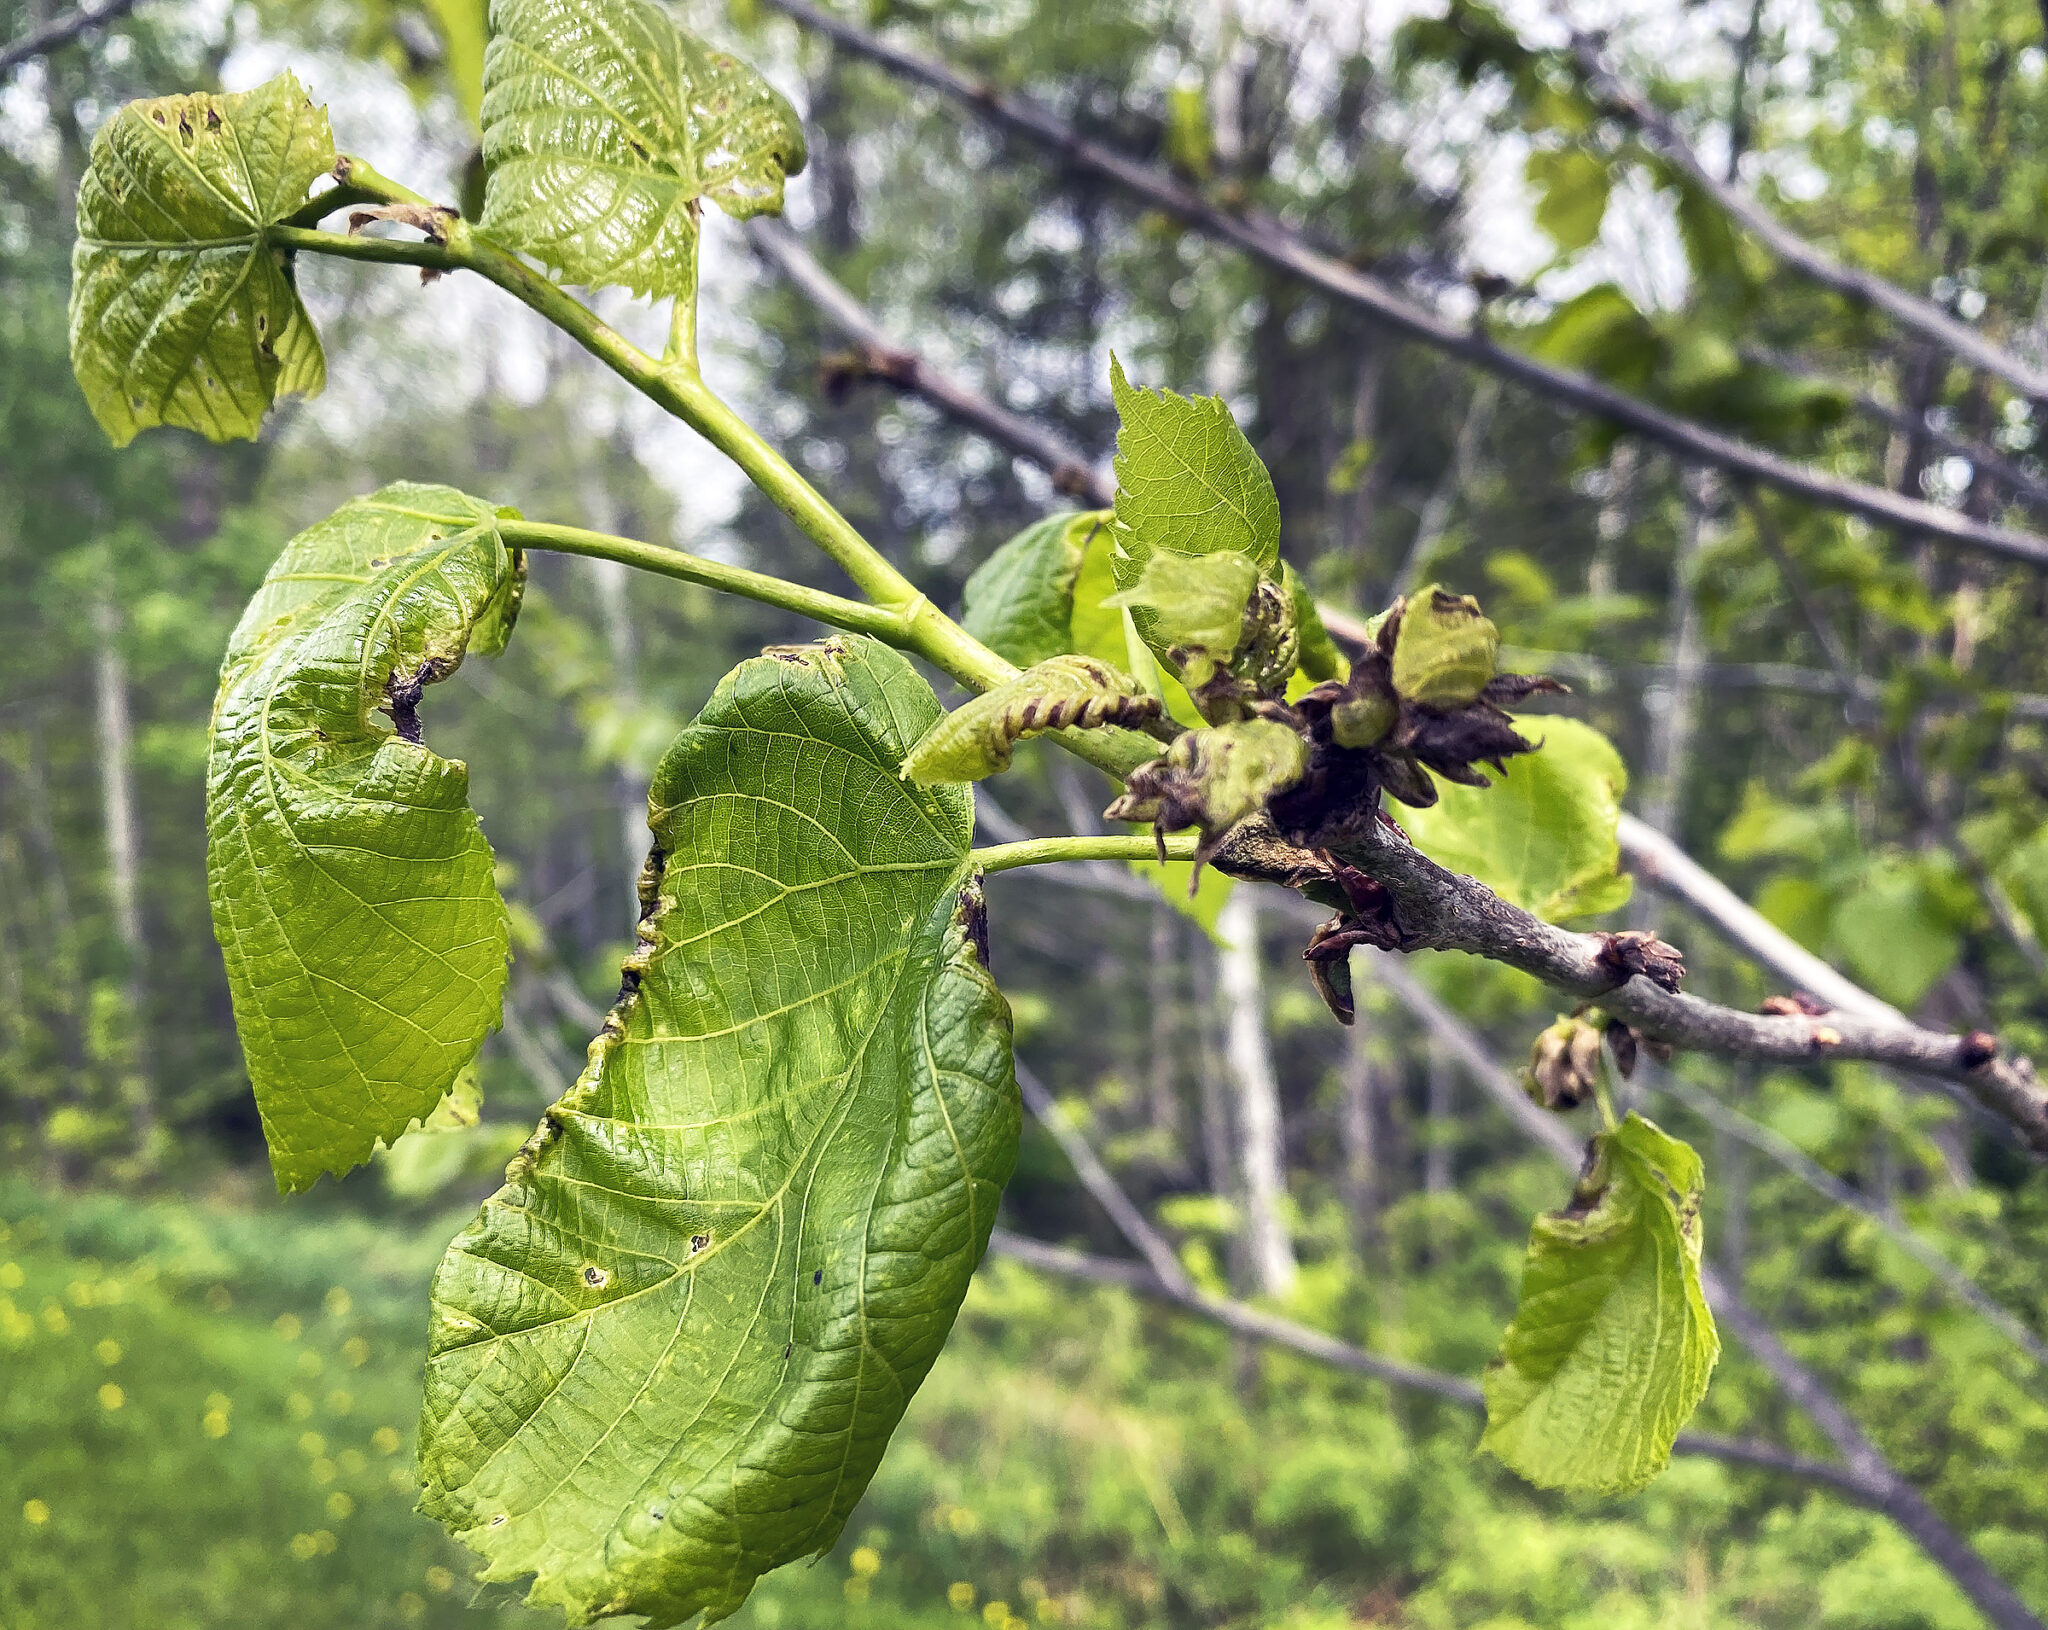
x,y
1076,1449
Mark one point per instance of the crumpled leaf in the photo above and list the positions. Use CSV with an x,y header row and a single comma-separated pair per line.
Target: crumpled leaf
x,y
1444,654
1195,604
1212,779
1612,1342
1564,1064
1543,836
604,124
976,738
1020,601
181,311
1187,483
351,886
731,1253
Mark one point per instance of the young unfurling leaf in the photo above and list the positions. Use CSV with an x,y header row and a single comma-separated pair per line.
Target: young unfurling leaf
x,y
605,124
1195,605
1444,654
669,1353
182,313
1212,779
351,885
976,738
1612,1342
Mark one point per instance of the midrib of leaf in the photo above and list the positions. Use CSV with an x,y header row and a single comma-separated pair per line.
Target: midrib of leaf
x,y
1207,483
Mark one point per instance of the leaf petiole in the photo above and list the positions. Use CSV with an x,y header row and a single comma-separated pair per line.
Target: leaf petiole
x,y
1003,857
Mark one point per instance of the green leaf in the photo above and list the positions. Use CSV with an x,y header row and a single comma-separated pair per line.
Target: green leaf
x,y
1020,601
1194,605
1187,483
1212,779
1444,653
181,311
1572,187
605,123
1543,835
669,1353
1893,935
1612,1341
351,885
1066,692
1319,656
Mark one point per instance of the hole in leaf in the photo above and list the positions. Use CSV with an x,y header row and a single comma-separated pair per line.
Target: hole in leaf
x,y
595,1277
698,1242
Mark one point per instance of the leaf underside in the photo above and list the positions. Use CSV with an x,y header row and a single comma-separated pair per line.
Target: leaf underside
x,y
181,311
668,1354
1543,835
351,885
1020,601
604,124
1612,1342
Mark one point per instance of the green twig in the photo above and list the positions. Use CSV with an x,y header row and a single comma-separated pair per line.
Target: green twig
x,y
1003,857
857,616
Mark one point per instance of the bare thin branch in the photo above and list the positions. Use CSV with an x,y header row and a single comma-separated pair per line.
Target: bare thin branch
x,y
1273,242
62,30
1912,312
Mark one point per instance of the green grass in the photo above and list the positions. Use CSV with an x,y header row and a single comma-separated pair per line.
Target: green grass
x,y
206,1420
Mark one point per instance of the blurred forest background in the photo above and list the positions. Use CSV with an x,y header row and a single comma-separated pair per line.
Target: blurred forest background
x,y
206,1397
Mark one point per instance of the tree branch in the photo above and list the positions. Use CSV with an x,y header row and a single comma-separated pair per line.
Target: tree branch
x,y
1493,928
62,30
1893,1495
1440,910
1268,239
1917,315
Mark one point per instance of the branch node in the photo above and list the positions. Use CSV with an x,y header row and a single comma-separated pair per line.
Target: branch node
x,y
1635,951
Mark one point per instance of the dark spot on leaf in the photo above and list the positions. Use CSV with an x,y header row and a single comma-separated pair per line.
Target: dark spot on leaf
x,y
818,1277
500,1520
595,1277
788,1347
698,1242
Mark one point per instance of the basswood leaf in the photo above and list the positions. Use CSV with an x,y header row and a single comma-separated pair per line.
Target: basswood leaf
x,y
605,123
1066,692
1319,657
1572,188
182,313
1543,835
1195,604
351,885
1612,1341
1445,650
1212,779
1187,483
668,1354
1020,601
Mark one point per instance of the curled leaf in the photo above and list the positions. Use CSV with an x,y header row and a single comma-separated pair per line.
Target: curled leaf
x,y
603,125
1195,605
1564,1065
1612,1343
1212,779
976,738
182,313
351,885
1444,651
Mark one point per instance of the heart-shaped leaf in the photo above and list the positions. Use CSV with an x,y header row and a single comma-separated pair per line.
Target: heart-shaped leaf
x,y
351,885
605,124
182,313
1612,1341
668,1355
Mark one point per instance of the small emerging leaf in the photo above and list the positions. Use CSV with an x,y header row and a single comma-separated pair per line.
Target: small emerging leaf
x,y
605,123
352,888
1319,657
1444,653
669,1353
1194,605
976,738
181,311
1612,1342
1213,779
